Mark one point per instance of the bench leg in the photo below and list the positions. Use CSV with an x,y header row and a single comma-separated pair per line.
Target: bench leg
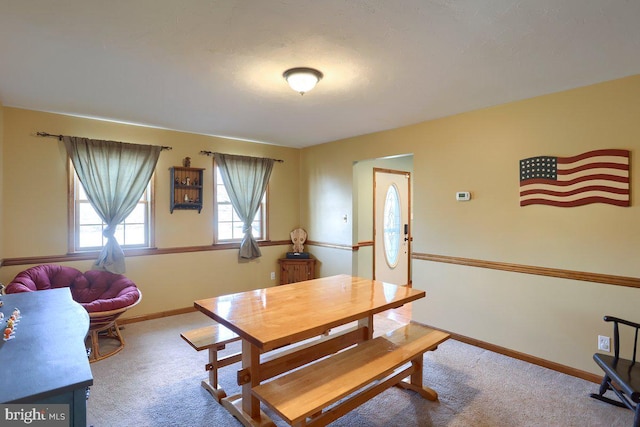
x,y
212,385
424,391
415,381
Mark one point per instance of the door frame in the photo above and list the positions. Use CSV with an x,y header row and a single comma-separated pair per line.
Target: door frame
x,y
409,219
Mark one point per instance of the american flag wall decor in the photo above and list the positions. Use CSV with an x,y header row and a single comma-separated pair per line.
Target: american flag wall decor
x,y
600,176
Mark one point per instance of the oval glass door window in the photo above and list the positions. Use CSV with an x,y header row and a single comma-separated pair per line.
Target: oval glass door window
x,y
391,220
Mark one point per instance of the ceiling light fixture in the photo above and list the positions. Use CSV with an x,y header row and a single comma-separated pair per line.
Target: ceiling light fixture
x,y
302,79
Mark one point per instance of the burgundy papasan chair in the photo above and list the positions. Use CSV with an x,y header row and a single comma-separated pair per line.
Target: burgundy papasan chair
x,y
104,295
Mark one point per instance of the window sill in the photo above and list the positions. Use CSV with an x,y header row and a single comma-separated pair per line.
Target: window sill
x,y
81,256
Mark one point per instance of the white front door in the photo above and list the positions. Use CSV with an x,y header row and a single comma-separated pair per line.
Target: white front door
x,y
392,231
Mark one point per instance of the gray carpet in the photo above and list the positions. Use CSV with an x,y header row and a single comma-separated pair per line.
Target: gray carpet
x,y
155,381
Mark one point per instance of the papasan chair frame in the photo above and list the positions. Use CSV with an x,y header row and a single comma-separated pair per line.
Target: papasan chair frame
x,y
102,321
105,296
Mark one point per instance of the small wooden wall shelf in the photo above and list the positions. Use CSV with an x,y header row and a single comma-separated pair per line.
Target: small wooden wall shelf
x,y
186,188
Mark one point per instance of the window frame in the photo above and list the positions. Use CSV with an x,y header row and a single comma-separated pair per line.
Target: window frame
x,y
264,210
73,243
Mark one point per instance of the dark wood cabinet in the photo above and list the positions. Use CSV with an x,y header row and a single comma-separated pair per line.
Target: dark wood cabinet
x,y
296,270
186,188
46,361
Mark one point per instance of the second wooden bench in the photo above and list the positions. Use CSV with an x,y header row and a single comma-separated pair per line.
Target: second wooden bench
x,y
368,368
213,338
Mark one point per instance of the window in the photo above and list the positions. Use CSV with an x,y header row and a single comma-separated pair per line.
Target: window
x,y
227,223
87,227
392,213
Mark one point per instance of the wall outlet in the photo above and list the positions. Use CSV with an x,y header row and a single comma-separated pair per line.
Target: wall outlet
x,y
603,343
273,275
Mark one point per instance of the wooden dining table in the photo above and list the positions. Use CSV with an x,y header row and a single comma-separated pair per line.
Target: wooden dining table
x,y
272,320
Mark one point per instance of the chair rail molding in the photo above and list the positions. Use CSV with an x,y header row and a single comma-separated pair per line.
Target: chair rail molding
x,y
607,279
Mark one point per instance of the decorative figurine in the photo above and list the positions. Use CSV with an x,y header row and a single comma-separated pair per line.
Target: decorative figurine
x,y
186,198
188,181
298,237
186,162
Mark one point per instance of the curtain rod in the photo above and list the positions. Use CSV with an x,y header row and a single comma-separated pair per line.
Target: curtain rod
x,y
211,153
164,147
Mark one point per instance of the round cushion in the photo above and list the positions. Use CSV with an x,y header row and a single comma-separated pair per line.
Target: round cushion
x,y
105,291
95,290
42,277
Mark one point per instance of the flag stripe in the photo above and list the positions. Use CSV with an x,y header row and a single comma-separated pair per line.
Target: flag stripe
x,y
620,160
601,188
617,181
596,153
574,203
580,196
617,168
600,176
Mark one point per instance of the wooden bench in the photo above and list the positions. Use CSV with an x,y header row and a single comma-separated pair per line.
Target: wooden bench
x,y
214,338
305,396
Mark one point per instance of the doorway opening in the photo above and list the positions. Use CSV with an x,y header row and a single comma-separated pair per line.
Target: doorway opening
x,y
395,249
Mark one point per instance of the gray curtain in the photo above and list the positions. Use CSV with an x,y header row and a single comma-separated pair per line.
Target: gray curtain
x,y
114,176
245,179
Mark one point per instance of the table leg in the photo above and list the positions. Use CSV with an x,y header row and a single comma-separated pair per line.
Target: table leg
x,y
245,407
250,360
367,322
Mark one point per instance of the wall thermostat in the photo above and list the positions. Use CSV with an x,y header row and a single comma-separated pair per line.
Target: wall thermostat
x,y
463,196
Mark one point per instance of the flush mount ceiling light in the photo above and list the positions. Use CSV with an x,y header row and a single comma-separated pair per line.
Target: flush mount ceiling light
x,y
302,79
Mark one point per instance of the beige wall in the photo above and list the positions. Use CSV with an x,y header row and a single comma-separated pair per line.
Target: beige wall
x,y
555,319
34,208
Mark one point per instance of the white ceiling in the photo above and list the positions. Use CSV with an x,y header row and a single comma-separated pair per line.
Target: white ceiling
x,y
215,66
